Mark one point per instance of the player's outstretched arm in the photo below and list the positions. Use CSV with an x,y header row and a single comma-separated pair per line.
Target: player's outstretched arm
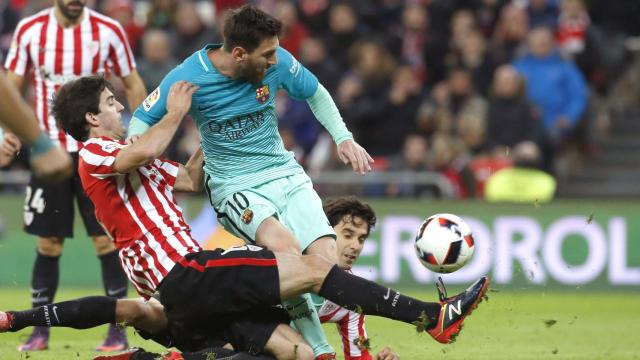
x,y
47,161
154,142
191,175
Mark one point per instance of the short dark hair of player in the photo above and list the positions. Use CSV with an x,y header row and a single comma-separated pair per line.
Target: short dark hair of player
x,y
74,100
337,208
247,27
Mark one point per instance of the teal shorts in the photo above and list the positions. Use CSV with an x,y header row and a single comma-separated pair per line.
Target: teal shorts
x,y
291,200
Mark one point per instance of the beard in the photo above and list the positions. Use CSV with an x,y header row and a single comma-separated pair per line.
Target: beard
x,y
67,12
254,73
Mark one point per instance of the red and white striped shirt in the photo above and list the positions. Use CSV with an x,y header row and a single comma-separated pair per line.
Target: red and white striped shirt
x,y
350,324
56,55
138,211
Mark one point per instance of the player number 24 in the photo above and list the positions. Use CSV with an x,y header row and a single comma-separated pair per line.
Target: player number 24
x,y
35,202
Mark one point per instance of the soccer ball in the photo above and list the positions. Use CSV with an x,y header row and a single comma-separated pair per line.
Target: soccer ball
x,y
444,243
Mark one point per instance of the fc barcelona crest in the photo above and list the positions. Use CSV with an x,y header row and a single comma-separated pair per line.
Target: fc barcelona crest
x,y
262,94
247,216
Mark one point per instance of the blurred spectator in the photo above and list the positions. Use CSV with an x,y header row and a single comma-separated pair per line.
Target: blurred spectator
x,y
190,33
416,43
293,31
554,85
343,32
412,158
543,13
122,11
156,60
449,156
362,91
463,23
511,31
573,24
524,182
473,56
487,13
576,39
511,119
456,110
384,131
161,14
314,14
413,37
313,54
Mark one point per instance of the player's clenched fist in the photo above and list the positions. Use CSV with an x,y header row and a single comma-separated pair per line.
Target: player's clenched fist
x,y
179,99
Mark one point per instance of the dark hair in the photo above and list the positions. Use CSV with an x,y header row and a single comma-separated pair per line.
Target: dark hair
x,y
74,100
247,27
337,208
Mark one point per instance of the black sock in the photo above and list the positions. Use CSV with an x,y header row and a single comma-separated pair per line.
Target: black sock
x,y
358,294
82,313
113,276
45,278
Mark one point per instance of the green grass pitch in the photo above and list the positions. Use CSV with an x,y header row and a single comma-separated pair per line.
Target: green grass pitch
x,y
509,326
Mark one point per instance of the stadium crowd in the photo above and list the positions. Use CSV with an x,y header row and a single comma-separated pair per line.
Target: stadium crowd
x,y
460,87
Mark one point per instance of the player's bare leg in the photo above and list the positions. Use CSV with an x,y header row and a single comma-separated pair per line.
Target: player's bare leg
x,y
276,237
147,315
313,273
324,246
286,343
273,235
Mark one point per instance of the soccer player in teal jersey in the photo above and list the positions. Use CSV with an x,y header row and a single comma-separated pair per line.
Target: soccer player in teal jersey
x,y
259,191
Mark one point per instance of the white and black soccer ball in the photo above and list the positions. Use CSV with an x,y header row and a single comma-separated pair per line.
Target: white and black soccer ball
x,y
444,243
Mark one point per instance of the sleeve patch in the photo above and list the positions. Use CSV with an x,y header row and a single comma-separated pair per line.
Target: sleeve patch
x,y
151,100
109,148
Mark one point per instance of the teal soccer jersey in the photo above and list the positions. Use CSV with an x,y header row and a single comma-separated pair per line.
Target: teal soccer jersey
x,y
236,119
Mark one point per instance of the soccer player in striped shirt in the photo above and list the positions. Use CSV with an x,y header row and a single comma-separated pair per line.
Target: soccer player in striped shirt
x,y
259,191
57,44
227,294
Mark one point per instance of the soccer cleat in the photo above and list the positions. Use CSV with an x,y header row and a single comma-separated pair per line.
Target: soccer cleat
x,y
455,309
116,340
38,340
6,320
329,356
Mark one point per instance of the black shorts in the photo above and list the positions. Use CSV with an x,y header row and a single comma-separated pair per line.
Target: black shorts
x,y
229,294
247,331
48,208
